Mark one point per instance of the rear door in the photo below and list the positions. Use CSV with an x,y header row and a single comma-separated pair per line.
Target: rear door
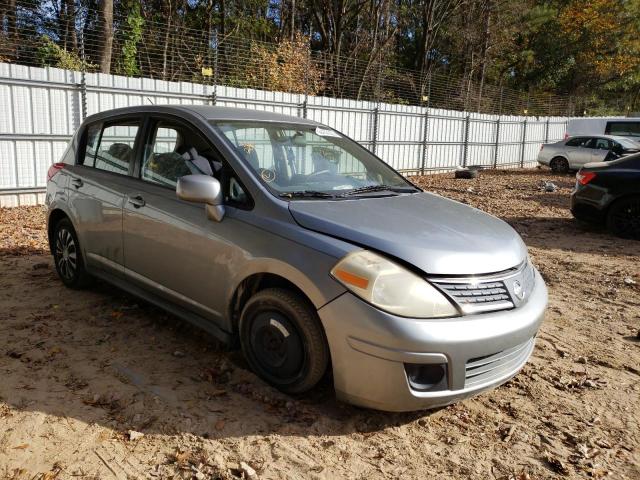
x,y
97,187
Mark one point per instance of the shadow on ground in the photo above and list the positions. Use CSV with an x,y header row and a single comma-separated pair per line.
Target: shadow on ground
x,y
102,356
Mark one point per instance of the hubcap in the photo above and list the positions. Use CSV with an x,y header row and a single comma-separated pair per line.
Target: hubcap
x,y
276,346
66,254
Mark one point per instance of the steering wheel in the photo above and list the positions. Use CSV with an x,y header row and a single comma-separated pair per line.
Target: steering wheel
x,y
314,174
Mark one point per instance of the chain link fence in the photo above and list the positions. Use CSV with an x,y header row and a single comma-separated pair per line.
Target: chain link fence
x,y
172,52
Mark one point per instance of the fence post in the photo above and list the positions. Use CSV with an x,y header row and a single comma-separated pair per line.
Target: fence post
x,y
524,142
83,79
425,132
465,151
497,144
374,139
214,95
546,132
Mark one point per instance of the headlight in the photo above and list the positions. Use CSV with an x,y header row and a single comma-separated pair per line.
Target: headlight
x,y
391,287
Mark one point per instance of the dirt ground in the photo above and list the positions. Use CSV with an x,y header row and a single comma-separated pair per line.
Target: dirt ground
x,y
80,370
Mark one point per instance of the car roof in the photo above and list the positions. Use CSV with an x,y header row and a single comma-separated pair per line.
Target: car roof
x,y
608,137
206,112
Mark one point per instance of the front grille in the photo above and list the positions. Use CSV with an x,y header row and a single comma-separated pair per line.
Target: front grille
x,y
478,297
491,367
489,293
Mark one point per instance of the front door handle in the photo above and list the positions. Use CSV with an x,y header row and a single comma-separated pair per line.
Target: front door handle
x,y
137,201
77,182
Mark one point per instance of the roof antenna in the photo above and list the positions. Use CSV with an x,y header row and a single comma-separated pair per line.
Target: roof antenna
x,y
150,101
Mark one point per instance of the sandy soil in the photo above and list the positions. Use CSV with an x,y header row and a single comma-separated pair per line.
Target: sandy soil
x,y
80,370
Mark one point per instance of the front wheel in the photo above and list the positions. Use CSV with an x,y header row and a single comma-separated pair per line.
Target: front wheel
x,y
283,340
67,256
623,218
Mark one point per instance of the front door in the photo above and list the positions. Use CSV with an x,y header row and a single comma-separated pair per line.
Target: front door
x,y
171,248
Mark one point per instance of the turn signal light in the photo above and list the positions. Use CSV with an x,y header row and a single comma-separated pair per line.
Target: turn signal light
x,y
585,177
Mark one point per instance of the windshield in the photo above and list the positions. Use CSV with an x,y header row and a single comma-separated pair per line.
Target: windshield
x,y
627,143
309,161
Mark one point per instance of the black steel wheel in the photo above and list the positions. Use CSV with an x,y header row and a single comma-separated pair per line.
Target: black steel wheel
x,y
559,165
283,340
67,255
623,218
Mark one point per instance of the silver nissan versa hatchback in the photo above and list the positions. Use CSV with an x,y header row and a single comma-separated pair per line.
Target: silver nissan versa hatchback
x,y
291,239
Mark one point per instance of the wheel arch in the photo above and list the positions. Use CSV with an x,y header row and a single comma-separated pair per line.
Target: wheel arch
x,y
275,275
55,215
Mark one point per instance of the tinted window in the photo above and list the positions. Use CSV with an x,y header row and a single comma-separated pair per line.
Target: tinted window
x,y
626,129
92,138
577,142
116,147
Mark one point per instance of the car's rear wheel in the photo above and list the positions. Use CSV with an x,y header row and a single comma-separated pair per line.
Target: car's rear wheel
x,y
623,218
283,340
68,256
559,165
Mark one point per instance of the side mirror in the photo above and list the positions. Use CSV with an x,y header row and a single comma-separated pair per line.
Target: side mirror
x,y
203,189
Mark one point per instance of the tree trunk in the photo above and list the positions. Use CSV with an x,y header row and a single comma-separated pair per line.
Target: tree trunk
x,y
105,41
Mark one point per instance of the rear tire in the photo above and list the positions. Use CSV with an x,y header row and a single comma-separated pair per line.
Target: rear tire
x,y
623,218
559,165
283,340
67,256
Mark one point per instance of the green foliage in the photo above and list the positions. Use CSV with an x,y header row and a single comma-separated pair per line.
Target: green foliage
x,y
128,64
50,54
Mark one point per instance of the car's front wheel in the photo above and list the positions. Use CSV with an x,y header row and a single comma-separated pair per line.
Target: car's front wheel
x,y
68,256
283,340
623,218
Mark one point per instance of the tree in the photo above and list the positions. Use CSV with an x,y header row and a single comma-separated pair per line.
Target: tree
x,y
105,38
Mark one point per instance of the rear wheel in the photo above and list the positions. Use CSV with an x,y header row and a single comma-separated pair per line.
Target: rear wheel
x,y
559,165
623,218
283,340
67,255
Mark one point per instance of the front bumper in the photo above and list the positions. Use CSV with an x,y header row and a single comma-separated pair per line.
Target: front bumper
x,y
369,350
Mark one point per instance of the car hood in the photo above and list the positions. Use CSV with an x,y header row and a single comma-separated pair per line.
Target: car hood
x,y
436,235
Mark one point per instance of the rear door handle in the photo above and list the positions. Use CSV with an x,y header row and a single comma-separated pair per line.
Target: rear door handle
x,y
137,201
77,182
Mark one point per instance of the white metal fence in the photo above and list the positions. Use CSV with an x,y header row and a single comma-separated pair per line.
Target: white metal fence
x,y
41,107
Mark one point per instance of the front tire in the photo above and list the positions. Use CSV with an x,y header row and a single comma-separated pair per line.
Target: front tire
x,y
559,165
623,218
283,340
67,255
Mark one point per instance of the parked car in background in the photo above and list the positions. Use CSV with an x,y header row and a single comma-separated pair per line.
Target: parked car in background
x,y
621,127
575,152
609,194
293,240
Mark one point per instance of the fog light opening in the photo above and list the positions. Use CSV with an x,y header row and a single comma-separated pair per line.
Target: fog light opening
x,y
427,377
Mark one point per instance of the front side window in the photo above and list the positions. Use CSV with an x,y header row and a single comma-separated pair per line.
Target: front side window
x,y
305,160
175,151
602,144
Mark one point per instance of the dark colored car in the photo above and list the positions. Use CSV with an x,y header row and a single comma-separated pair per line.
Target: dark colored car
x,y
609,194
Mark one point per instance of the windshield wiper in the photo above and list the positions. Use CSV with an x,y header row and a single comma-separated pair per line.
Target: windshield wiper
x,y
379,188
306,194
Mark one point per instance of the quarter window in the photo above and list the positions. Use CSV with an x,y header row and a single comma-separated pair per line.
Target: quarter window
x,y
92,139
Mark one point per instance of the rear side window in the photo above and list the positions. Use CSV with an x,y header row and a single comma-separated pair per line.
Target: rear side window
x,y
625,129
111,147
